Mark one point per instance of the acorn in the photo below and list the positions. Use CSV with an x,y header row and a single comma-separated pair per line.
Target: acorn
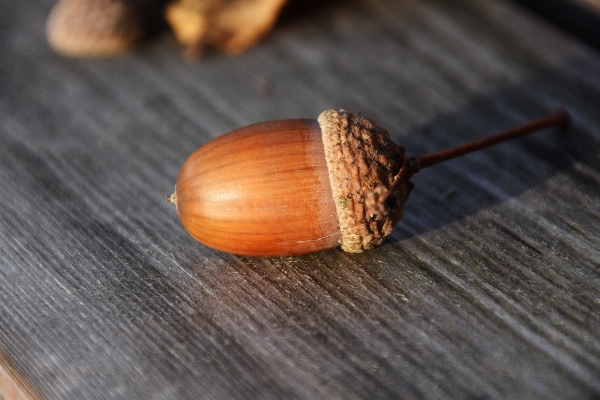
x,y
297,186
99,28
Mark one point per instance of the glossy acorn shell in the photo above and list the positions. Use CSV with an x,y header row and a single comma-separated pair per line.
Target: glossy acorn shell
x,y
260,190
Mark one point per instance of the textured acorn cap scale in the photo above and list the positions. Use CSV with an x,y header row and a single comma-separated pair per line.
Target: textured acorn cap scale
x,y
362,161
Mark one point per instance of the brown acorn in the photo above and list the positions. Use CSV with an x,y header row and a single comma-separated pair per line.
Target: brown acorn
x,y
297,186
98,28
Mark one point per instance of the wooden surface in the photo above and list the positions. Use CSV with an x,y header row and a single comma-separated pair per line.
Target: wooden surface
x,y
590,4
580,18
488,289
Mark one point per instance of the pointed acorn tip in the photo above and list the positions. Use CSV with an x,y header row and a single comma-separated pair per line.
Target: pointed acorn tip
x,y
172,198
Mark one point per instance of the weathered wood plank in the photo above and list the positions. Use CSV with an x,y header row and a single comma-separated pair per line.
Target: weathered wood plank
x,y
487,289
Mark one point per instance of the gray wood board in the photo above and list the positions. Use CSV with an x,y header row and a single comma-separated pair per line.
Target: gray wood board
x,y
487,289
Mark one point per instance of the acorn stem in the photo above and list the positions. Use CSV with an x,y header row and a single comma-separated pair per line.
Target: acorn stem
x,y
559,118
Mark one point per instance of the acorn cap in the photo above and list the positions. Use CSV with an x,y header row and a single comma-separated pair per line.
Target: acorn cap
x,y
94,28
364,164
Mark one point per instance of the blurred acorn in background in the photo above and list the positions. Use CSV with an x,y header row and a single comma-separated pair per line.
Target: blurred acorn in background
x,y
101,28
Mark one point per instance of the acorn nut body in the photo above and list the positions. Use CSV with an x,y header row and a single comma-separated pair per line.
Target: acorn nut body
x,y
294,186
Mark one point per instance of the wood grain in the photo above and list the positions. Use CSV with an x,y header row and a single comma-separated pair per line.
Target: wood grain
x,y
487,289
